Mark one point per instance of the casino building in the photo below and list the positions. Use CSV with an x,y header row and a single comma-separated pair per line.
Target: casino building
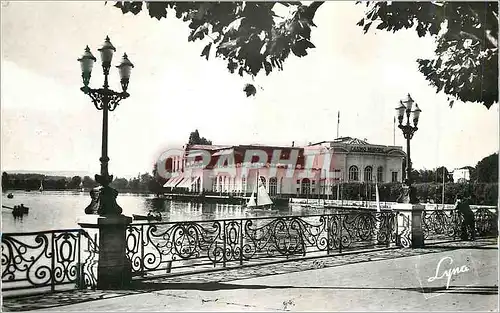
x,y
285,171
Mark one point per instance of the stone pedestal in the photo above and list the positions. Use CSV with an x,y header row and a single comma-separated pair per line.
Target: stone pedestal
x,y
410,225
114,270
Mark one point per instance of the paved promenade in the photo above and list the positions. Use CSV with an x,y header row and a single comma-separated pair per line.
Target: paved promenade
x,y
388,280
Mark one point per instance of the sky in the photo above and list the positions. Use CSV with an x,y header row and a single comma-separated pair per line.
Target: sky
x,y
48,124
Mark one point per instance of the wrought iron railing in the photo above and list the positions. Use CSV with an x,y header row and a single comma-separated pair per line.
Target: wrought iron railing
x,y
447,224
486,221
181,247
48,259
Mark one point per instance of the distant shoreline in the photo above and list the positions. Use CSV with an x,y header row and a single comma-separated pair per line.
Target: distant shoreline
x,y
86,190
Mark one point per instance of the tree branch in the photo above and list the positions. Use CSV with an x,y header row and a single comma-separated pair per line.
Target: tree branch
x,y
313,7
492,39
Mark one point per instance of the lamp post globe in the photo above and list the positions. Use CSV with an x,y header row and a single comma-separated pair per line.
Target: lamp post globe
x,y
86,63
416,115
124,69
107,51
401,112
408,102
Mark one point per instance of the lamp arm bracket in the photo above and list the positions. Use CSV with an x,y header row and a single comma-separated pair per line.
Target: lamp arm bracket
x,y
115,98
102,96
96,95
408,130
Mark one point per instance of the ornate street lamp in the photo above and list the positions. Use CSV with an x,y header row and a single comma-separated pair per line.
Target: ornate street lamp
x,y
406,106
105,99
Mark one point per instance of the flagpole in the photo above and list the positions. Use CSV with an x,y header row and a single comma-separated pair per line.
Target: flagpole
x,y
257,192
338,123
442,196
342,189
338,191
377,215
394,131
377,195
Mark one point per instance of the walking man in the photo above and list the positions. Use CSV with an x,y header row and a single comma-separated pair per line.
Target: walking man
x,y
468,227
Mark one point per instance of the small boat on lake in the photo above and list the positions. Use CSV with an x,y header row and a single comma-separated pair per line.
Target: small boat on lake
x,y
259,198
17,210
149,217
313,206
10,195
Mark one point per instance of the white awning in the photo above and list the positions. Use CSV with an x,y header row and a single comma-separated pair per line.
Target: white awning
x,y
185,183
172,182
168,182
224,152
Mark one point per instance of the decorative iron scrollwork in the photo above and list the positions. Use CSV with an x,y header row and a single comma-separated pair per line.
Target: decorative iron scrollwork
x,y
446,224
49,258
486,222
156,246
102,96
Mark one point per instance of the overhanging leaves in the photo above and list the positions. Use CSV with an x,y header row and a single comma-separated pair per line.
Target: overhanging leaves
x,y
466,63
245,34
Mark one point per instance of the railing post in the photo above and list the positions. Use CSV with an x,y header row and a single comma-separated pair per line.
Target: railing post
x,y
303,241
412,230
241,241
224,243
142,243
340,233
387,219
397,240
80,265
114,270
328,234
456,222
53,264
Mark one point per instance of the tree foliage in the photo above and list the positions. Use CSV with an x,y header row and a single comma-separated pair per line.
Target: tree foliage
x,y
466,62
479,193
251,37
88,182
74,182
487,169
5,181
119,183
157,182
429,176
195,139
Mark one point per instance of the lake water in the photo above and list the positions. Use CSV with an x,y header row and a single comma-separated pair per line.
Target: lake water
x,y
61,209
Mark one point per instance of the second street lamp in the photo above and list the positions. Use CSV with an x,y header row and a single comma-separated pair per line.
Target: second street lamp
x,y
408,130
105,99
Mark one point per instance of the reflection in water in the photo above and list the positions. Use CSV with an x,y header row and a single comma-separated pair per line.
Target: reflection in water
x,y
61,209
190,211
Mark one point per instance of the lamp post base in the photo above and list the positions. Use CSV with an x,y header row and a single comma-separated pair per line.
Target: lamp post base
x,y
103,202
107,203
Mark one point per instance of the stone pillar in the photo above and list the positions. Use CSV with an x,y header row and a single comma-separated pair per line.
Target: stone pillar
x,y
410,225
114,270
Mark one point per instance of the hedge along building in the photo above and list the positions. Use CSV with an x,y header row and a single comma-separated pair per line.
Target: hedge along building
x,y
285,171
